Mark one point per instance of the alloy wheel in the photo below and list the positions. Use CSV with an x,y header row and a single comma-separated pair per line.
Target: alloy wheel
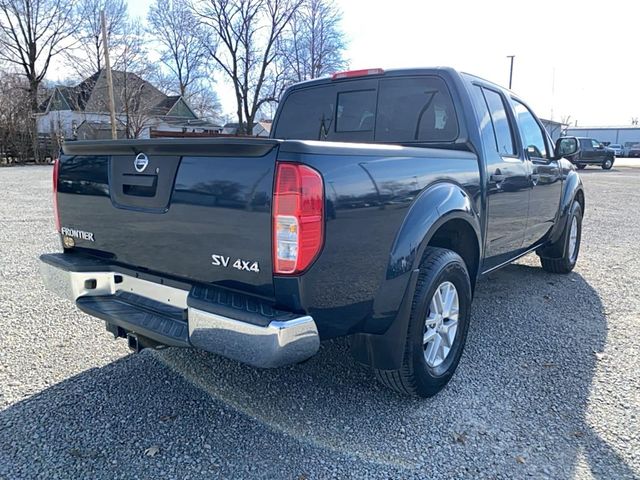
x,y
441,324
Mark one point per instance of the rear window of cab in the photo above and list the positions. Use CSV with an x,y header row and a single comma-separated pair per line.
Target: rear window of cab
x,y
394,110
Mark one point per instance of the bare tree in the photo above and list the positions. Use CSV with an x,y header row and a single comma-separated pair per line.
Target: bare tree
x,y
205,102
136,96
32,32
314,44
88,58
565,120
184,49
247,33
201,95
138,104
133,53
16,142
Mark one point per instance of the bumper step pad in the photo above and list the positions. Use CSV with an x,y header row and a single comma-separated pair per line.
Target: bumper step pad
x,y
155,320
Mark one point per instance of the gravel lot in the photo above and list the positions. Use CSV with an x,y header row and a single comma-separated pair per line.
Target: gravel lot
x,y
549,385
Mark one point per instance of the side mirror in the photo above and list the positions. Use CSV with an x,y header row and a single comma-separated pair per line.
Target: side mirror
x,y
567,146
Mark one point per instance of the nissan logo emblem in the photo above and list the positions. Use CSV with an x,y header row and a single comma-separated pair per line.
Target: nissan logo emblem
x,y
141,162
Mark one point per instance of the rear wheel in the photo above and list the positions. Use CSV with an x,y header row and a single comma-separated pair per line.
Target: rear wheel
x,y
581,166
437,327
607,164
562,256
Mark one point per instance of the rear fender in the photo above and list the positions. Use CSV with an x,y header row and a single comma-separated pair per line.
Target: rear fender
x,y
438,205
381,343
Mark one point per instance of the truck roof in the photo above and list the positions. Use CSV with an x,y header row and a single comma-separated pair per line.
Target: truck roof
x,y
397,72
394,72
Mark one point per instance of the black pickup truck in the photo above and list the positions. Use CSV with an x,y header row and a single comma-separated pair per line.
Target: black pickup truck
x,y
592,152
378,203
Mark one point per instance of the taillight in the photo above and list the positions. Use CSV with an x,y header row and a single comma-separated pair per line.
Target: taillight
x,y
298,223
56,171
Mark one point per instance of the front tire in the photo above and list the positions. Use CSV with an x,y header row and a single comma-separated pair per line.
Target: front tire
x,y
607,164
437,328
562,256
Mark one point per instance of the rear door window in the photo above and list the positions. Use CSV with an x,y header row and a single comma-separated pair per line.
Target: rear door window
x,y
501,126
486,124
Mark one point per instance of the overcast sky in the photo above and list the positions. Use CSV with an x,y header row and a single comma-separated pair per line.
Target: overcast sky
x,y
578,58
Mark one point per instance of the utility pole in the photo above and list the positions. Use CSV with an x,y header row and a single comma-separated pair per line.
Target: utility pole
x,y
553,90
511,70
107,66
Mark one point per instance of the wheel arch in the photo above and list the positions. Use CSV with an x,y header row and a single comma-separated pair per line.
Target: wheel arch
x,y
444,208
572,190
458,235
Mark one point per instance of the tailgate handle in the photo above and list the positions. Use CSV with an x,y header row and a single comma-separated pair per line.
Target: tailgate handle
x,y
139,185
139,180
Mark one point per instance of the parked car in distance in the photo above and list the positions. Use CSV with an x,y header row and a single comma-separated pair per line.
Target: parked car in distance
x,y
380,200
592,152
634,151
617,149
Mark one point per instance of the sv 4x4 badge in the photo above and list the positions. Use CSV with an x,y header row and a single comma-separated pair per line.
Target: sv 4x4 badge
x,y
239,264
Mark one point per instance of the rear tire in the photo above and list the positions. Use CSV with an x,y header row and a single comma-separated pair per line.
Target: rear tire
x,y
428,362
581,166
562,256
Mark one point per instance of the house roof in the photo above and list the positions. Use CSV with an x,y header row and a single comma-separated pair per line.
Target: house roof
x,y
92,95
78,96
127,86
166,104
75,97
233,127
266,126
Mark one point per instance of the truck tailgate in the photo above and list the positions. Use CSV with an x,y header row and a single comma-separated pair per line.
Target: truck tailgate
x,y
193,209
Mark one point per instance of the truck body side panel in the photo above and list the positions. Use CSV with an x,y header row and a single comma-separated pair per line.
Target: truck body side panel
x,y
369,190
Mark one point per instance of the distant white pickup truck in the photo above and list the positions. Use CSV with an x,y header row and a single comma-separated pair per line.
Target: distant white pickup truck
x,y
618,150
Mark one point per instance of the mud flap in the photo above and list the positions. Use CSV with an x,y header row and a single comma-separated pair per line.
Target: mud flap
x,y
385,351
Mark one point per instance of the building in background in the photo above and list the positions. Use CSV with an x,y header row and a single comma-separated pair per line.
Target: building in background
x,y
81,112
554,129
261,128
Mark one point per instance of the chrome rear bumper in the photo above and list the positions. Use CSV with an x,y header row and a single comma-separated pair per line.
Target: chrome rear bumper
x,y
280,342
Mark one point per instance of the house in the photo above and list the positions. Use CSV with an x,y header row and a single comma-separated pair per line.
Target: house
x,y
82,111
260,129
